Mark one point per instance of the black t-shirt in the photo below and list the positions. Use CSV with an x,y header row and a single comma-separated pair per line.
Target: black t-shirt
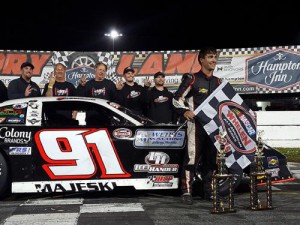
x,y
105,89
133,97
61,89
17,87
160,106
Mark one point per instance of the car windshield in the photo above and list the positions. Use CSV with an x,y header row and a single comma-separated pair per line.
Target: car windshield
x,y
142,119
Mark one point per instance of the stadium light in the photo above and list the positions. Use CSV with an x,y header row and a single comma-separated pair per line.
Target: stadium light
x,y
113,35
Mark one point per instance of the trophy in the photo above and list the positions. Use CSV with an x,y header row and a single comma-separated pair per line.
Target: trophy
x,y
257,171
219,205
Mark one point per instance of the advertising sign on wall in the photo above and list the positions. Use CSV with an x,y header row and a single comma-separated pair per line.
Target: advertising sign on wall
x,y
249,70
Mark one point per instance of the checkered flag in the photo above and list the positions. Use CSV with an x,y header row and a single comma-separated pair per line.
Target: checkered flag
x,y
61,57
225,111
107,58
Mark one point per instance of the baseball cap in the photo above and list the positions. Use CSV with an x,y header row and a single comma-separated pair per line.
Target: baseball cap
x,y
159,74
127,69
27,64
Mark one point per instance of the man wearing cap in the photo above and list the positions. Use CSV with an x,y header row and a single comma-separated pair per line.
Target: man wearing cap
x,y
131,94
159,101
24,87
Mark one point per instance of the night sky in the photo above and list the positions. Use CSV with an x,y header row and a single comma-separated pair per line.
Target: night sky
x,y
147,25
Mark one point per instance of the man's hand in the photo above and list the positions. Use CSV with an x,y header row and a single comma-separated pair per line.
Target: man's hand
x,y
119,85
82,80
52,79
189,115
28,90
147,82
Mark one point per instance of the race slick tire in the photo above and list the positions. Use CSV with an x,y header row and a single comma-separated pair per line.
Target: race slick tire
x,y
4,176
225,183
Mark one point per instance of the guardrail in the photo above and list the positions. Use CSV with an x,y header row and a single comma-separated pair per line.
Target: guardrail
x,y
281,128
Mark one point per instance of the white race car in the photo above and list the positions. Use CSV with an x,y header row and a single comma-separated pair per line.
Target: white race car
x,y
42,149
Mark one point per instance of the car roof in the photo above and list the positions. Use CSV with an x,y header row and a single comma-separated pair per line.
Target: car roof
x,y
98,101
55,98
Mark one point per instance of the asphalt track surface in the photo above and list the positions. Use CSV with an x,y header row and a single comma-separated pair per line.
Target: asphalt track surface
x,y
151,208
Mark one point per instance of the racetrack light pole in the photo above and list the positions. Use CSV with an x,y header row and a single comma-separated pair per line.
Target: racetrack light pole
x,y
113,35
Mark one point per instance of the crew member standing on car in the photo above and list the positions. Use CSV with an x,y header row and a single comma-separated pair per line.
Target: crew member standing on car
x,y
159,101
24,87
100,87
58,86
131,94
193,90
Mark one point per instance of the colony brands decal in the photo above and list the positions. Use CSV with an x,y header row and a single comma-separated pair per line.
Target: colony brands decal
x,y
159,139
10,135
277,69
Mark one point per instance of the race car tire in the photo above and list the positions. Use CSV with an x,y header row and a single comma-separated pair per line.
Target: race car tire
x,y
4,176
225,183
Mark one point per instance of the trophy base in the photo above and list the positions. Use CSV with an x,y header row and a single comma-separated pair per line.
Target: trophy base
x,y
222,210
255,202
261,207
222,205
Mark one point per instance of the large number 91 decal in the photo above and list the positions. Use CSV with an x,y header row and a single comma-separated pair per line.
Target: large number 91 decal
x,y
69,154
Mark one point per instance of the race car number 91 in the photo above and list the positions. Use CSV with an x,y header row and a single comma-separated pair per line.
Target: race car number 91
x,y
69,154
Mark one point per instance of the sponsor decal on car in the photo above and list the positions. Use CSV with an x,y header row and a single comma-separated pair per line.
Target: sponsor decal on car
x,y
122,133
159,139
157,162
272,161
2,119
161,180
33,120
10,112
34,113
274,172
15,120
115,105
33,105
19,150
20,106
10,135
75,187
157,158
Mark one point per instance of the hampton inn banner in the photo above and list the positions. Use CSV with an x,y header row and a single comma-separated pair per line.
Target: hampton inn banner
x,y
249,70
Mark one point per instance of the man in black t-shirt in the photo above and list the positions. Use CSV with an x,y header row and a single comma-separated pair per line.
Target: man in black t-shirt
x,y
159,101
24,87
58,86
131,94
99,87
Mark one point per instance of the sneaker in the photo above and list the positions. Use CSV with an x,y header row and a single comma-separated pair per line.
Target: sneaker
x,y
187,198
